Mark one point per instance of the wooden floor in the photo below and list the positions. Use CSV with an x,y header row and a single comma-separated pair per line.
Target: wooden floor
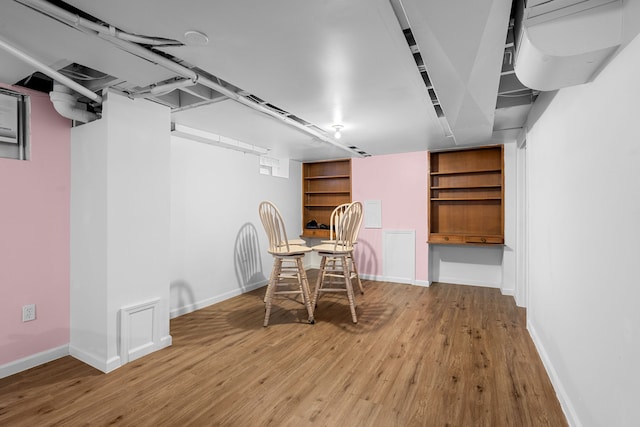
x,y
446,355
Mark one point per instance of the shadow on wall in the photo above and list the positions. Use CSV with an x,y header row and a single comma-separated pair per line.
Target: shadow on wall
x,y
181,297
246,257
365,259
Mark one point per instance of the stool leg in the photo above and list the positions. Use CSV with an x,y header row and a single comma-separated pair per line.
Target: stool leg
x,y
323,263
272,279
304,288
271,288
347,283
355,273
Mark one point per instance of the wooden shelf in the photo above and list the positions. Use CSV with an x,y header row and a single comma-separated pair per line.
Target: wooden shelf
x,y
327,192
461,239
463,199
315,233
325,185
466,172
461,187
466,196
328,177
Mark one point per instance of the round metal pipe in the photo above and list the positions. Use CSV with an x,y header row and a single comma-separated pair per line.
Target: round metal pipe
x,y
115,36
77,20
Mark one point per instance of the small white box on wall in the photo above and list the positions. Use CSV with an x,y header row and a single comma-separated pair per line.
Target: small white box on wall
x,y
372,214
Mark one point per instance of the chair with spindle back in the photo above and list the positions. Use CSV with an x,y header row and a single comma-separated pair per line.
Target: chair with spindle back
x,y
335,219
288,269
336,264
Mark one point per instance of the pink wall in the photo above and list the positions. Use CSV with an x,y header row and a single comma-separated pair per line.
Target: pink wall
x,y
34,237
400,182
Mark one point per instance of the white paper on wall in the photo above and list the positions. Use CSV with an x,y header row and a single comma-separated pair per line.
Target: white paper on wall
x,y
372,214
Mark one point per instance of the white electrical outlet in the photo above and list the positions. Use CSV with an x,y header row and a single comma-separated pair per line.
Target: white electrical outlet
x,y
28,312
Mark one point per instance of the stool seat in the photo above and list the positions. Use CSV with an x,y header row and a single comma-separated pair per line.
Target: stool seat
x,y
297,242
289,250
333,248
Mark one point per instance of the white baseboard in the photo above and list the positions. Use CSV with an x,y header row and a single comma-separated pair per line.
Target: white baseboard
x,y
374,277
165,342
511,293
38,359
151,348
508,291
458,281
179,311
466,281
91,359
34,360
425,283
115,362
563,397
380,278
402,280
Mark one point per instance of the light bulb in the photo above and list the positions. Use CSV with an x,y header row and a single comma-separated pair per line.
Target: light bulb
x,y
337,134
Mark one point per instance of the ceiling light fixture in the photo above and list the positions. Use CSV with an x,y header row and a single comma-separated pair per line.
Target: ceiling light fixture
x,y
195,38
338,132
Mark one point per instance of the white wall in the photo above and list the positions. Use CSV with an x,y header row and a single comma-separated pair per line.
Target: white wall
x,y
88,276
119,226
488,266
218,245
521,225
583,152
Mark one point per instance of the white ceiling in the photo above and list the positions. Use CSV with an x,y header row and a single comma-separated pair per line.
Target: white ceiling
x,y
327,62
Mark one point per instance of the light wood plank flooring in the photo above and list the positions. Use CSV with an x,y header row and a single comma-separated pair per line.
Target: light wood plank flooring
x,y
446,355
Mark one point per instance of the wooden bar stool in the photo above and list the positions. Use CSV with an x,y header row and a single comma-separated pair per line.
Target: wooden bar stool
x,y
288,269
336,265
334,220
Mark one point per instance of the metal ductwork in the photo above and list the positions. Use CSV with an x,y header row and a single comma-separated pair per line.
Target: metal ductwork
x,y
65,102
562,43
137,45
63,97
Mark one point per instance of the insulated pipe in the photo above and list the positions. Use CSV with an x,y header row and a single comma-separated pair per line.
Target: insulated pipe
x,y
190,74
117,38
158,90
50,72
66,104
77,20
169,87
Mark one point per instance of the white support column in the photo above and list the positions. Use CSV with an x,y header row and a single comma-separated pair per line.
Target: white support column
x,y
120,219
